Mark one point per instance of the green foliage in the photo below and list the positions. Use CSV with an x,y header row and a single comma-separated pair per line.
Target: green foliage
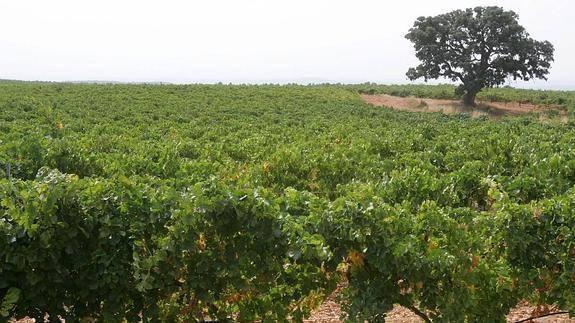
x,y
9,301
191,203
479,47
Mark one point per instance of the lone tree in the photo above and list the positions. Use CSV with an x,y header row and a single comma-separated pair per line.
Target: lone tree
x,y
478,47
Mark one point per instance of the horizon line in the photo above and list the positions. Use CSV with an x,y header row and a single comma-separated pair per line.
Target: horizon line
x,y
287,81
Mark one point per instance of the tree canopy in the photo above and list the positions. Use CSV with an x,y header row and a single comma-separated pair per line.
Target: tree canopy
x,y
479,47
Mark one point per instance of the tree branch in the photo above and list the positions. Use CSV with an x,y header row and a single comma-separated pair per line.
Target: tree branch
x,y
450,70
415,310
419,313
544,315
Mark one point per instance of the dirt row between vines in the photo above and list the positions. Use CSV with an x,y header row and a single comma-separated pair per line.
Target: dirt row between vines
x,y
330,312
490,109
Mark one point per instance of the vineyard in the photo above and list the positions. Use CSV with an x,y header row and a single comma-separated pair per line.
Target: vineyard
x,y
253,203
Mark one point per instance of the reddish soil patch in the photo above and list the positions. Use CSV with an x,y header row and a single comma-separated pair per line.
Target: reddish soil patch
x,y
491,109
330,312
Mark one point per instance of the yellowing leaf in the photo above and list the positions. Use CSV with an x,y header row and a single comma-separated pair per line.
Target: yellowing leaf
x,y
419,285
201,243
432,245
356,258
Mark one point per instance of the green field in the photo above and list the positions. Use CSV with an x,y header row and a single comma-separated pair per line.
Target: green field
x,y
196,202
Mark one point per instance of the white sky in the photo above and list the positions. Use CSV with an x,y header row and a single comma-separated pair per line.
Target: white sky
x,y
244,41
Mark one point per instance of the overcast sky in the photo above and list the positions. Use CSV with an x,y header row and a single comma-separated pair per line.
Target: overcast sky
x,y
244,40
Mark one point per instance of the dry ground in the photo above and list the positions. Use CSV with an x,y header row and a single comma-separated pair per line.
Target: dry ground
x,y
329,312
490,109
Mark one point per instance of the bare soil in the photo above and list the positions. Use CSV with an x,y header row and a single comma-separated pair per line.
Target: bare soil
x,y
330,312
490,109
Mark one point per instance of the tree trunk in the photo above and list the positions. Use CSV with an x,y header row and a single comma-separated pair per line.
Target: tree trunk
x,y
469,98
